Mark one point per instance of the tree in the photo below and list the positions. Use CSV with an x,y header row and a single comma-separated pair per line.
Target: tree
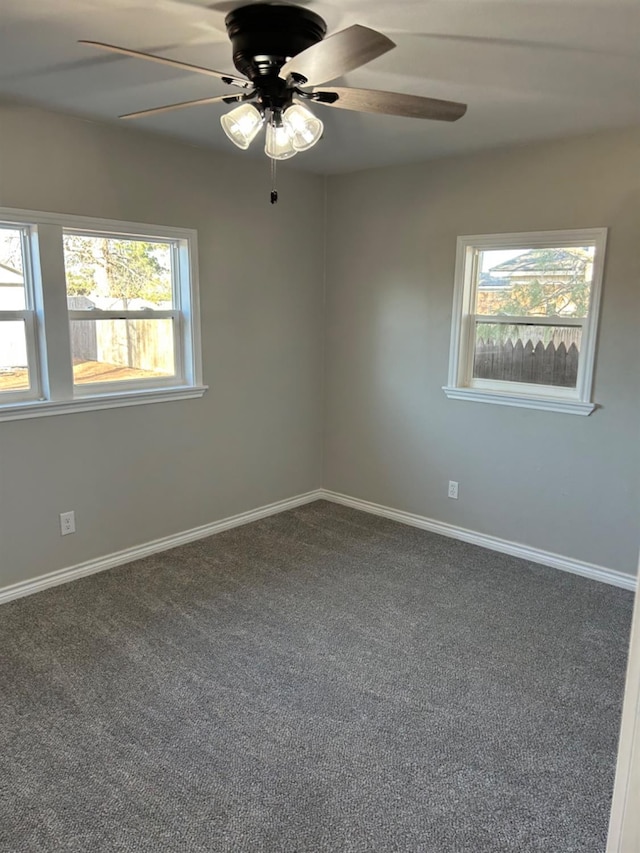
x,y
11,249
117,270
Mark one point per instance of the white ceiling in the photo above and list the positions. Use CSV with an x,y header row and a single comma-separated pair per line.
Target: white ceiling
x,y
528,69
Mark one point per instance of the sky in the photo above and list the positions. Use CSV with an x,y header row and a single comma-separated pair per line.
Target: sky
x,y
494,257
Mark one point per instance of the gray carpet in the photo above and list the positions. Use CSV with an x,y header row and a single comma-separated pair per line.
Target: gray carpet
x,y
322,680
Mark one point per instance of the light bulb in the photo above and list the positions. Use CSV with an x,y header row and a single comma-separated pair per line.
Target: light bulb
x,y
242,124
303,127
278,143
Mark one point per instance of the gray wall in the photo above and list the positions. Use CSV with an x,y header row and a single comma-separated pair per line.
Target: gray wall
x,y
558,482
136,474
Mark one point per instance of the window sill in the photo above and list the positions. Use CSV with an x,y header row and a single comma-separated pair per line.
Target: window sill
x,y
44,408
548,404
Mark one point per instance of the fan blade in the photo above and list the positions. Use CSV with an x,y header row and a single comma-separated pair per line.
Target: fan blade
x,y
229,99
337,54
185,66
393,103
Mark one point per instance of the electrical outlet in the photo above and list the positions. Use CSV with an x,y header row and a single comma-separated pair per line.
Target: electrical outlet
x,y
453,490
67,523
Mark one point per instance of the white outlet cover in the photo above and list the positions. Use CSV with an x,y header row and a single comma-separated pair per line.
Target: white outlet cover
x,y
67,523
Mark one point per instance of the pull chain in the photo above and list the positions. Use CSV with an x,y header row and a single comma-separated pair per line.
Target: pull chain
x,y
274,191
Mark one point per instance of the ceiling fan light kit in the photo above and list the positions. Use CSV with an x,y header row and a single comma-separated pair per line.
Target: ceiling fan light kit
x,y
283,56
294,129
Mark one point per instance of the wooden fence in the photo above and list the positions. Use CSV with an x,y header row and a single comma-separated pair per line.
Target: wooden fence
x,y
84,340
520,362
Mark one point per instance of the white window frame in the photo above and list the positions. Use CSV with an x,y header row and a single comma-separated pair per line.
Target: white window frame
x,y
461,385
52,389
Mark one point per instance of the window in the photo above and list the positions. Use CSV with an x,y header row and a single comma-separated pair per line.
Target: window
x,y
95,314
525,319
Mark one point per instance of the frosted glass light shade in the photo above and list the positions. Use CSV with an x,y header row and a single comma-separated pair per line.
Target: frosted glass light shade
x,y
303,127
278,144
242,124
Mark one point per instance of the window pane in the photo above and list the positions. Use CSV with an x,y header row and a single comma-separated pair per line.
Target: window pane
x,y
12,293
14,369
120,350
113,273
535,282
543,355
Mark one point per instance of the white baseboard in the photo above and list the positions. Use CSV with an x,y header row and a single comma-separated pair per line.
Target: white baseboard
x,y
526,552
119,558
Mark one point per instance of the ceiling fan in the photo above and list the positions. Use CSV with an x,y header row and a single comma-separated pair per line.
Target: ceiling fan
x,y
283,55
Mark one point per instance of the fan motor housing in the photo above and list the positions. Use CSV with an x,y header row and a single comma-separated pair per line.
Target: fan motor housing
x,y
265,35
